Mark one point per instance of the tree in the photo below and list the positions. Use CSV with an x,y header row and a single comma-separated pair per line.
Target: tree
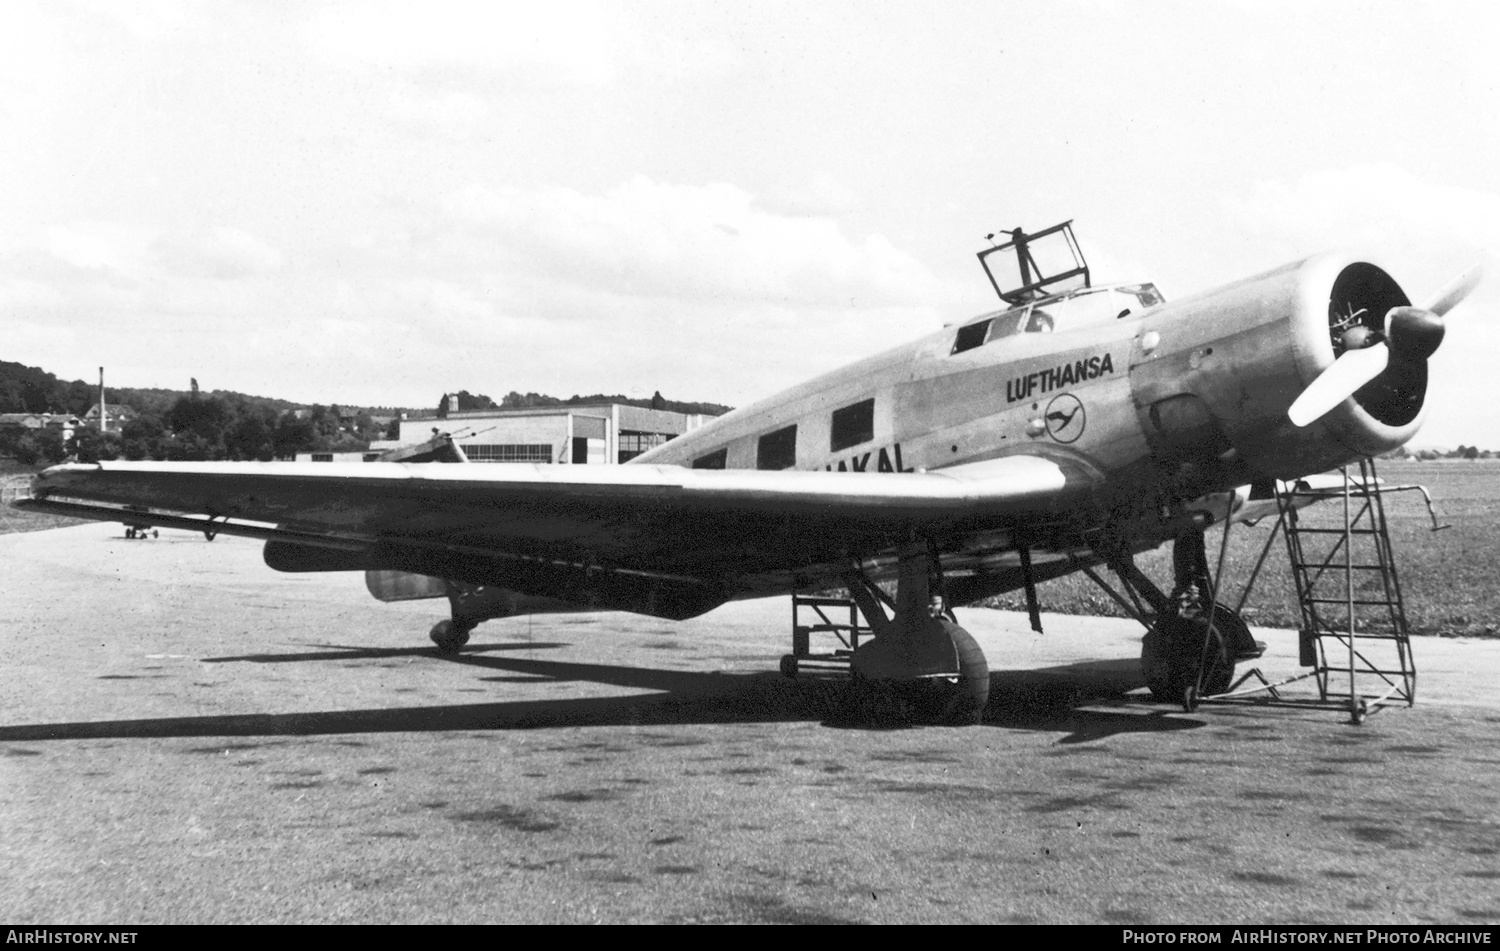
x,y
90,445
514,400
199,422
291,436
252,436
142,438
443,407
469,401
41,446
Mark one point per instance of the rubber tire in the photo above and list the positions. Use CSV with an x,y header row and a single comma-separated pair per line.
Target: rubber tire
x,y
933,701
448,637
1170,656
973,688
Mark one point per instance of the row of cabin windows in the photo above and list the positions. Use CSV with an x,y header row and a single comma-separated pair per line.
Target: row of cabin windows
x,y
851,426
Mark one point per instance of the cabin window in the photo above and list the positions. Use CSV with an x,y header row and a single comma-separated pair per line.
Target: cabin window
x,y
507,452
853,425
777,450
714,460
970,336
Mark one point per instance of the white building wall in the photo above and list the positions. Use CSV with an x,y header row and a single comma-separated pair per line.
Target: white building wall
x,y
551,426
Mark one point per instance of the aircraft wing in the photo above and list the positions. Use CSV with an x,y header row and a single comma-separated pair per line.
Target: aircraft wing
x,y
697,536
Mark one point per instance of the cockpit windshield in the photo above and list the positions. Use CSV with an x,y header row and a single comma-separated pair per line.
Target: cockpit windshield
x,y
1082,308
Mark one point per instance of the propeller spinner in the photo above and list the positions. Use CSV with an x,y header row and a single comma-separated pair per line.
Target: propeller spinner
x,y
1412,334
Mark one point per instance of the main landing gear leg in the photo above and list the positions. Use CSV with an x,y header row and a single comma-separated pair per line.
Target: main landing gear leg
x,y
920,665
1184,655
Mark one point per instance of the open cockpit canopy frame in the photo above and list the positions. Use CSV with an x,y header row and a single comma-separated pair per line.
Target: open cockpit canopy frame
x,y
1047,262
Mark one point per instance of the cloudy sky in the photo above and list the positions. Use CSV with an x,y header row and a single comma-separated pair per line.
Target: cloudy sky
x,y
371,203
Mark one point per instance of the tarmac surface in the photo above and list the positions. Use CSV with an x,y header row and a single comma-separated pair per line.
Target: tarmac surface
x,y
187,736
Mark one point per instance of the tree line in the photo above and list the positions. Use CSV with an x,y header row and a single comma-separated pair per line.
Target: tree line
x,y
171,424
201,428
464,401
193,426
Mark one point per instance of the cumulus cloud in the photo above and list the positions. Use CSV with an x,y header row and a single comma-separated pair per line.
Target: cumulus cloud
x,y
558,42
218,253
1426,233
652,239
696,289
455,114
1382,206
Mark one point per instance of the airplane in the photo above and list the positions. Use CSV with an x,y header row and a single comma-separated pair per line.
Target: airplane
x,y
1075,427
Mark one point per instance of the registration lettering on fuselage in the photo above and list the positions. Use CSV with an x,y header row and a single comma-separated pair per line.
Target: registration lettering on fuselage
x,y
886,460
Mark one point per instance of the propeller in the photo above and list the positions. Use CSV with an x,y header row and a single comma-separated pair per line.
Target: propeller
x,y
1411,335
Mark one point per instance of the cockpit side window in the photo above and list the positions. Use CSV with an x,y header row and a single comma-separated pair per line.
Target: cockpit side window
x,y
1005,325
970,336
1147,294
1082,308
1038,321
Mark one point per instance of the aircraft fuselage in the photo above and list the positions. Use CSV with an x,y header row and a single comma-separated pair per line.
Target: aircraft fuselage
x,y
1176,399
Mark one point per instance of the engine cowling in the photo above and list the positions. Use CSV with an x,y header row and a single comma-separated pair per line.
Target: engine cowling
x,y
1213,375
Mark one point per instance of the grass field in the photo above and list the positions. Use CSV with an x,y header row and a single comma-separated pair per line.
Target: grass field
x,y
13,476
1448,577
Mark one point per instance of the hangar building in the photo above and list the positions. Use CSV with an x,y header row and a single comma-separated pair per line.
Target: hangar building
x,y
606,433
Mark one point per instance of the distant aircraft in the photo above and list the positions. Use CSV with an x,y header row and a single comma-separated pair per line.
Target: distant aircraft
x,y
1075,427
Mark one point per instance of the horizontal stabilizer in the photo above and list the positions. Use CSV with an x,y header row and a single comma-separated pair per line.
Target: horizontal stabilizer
x,y
440,448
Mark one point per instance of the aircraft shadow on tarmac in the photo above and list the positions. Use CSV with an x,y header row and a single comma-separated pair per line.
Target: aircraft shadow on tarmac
x,y
1062,699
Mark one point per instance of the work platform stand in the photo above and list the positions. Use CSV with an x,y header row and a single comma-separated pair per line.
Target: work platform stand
x,y
823,615
1354,633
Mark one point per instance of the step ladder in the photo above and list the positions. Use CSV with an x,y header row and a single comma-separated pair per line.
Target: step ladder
x,y
1354,632
824,615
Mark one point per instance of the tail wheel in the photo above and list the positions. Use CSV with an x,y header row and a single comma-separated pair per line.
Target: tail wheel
x,y
449,636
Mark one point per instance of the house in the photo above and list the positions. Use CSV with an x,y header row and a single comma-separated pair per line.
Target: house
x,y
116,415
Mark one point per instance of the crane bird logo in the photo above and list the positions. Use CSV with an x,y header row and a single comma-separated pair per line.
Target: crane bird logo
x,y
1065,418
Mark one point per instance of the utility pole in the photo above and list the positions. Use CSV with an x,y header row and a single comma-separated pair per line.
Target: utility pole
x,y
101,402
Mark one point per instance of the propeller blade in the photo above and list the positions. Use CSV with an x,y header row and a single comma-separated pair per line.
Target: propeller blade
x,y
1415,332
1454,291
1339,382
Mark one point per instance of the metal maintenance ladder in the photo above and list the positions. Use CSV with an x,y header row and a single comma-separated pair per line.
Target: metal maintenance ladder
x,y
823,614
1354,632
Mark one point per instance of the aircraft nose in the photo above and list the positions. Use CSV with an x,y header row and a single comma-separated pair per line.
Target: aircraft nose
x,y
1414,333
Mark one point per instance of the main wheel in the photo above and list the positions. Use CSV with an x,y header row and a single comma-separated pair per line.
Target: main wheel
x,y
971,692
954,701
1171,655
448,636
